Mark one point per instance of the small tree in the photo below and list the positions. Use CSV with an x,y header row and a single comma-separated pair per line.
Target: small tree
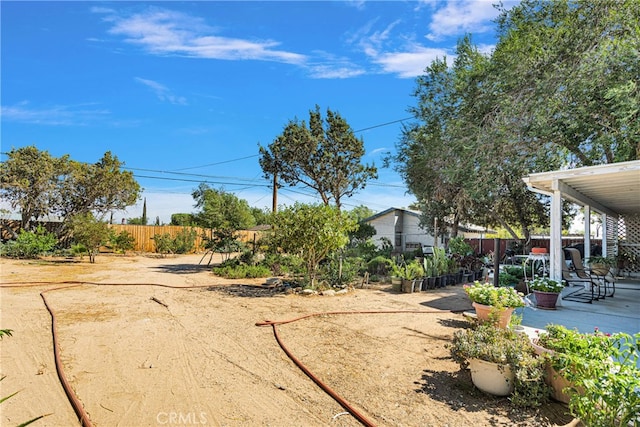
x,y
313,231
89,232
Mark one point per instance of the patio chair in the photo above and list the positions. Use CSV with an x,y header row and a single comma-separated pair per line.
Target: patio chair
x,y
604,277
587,287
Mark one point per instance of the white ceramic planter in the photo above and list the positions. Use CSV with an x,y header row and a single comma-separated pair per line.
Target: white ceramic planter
x,y
491,377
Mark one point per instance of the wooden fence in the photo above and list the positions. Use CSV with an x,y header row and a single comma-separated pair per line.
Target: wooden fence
x,y
144,234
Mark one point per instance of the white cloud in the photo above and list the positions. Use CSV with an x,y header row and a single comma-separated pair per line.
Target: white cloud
x,y
462,16
411,63
57,115
162,92
165,32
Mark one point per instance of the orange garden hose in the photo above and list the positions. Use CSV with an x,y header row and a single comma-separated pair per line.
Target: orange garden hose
x,y
346,405
77,405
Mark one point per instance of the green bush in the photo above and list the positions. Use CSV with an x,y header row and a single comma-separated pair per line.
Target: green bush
x,y
122,242
183,243
337,277
242,271
30,244
284,264
380,266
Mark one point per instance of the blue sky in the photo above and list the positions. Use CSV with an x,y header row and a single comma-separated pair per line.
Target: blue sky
x,y
184,92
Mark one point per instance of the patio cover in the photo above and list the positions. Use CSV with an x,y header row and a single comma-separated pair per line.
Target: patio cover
x,y
611,189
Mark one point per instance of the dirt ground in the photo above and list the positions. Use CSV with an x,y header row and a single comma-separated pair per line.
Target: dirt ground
x,y
147,341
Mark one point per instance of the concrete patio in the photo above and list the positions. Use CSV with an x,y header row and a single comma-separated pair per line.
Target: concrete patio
x,y
620,313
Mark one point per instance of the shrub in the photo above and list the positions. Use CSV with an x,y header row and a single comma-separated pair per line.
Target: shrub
x,y
185,241
380,266
336,276
242,271
123,241
30,244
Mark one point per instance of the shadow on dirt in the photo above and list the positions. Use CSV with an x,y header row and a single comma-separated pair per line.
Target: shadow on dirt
x,y
456,390
451,302
249,291
182,268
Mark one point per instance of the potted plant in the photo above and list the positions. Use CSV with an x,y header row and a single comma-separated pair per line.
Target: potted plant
x,y
600,372
546,291
600,265
501,362
493,304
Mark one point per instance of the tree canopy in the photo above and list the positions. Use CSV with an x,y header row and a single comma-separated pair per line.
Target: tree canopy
x,y
559,90
221,210
38,184
325,156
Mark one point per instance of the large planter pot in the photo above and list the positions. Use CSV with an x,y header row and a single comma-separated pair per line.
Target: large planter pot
x,y
491,377
483,312
407,286
546,300
553,378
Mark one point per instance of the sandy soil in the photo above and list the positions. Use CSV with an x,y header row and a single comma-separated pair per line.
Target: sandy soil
x,y
201,359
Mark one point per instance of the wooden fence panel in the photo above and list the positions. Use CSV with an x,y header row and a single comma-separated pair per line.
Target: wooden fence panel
x,y
144,234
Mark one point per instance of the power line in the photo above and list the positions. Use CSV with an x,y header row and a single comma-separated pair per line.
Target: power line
x,y
218,163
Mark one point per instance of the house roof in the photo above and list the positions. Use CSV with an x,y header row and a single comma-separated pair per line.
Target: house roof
x,y
613,189
390,210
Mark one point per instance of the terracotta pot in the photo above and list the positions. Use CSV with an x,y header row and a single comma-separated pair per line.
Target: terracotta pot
x,y
492,378
553,378
483,312
538,251
546,300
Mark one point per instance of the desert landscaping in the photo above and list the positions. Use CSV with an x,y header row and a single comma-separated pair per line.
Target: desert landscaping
x,y
148,341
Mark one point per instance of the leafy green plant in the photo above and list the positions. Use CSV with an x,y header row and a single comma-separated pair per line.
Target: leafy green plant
x,y
164,243
603,369
30,244
182,243
242,271
185,240
487,294
380,265
340,273
515,271
504,347
506,279
458,246
122,242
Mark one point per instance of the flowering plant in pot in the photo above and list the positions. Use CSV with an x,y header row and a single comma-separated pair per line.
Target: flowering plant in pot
x,y
518,371
546,291
602,373
494,304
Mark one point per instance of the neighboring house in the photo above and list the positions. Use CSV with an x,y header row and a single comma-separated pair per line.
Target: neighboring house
x,y
401,227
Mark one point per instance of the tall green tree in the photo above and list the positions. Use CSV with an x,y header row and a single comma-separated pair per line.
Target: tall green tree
x,y
29,182
568,73
324,155
97,188
311,231
219,209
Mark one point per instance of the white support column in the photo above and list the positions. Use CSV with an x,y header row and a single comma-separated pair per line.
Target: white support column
x,y
604,234
587,231
556,235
